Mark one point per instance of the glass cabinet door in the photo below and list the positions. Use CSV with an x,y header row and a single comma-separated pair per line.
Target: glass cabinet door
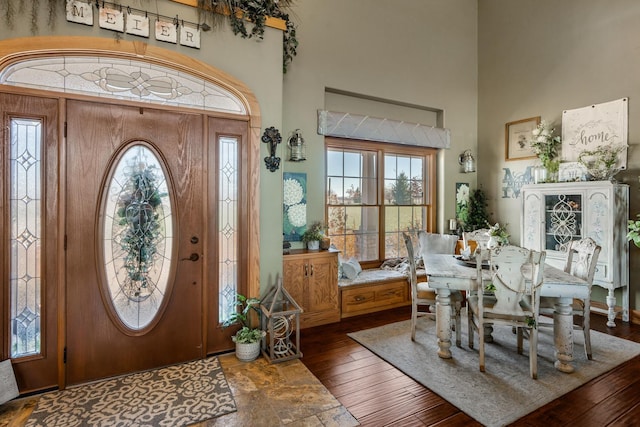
x,y
563,220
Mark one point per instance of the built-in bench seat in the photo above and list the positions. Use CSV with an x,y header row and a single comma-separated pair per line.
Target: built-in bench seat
x,y
375,289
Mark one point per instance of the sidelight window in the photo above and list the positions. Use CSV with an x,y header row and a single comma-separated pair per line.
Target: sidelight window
x,y
25,211
228,217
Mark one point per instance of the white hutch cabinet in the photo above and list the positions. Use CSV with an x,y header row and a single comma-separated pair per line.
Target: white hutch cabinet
x,y
554,214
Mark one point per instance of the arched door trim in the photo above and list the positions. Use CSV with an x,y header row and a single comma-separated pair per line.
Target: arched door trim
x,y
13,51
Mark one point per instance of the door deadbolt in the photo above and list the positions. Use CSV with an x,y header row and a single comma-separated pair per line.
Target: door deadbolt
x,y
193,257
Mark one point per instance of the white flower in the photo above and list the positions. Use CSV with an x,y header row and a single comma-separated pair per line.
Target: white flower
x,y
536,132
462,196
297,214
293,192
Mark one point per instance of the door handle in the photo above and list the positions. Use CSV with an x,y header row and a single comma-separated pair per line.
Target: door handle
x,y
193,257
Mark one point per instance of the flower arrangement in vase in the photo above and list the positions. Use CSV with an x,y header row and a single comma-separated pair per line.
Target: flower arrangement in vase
x,y
498,233
545,145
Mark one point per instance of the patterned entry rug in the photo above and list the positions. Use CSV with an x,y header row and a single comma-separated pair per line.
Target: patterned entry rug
x,y
173,396
505,392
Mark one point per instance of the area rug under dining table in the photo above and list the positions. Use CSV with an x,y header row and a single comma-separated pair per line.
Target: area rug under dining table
x,y
505,392
176,395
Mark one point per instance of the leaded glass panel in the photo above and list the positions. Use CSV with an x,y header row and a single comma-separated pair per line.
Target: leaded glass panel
x,y
228,199
138,237
26,236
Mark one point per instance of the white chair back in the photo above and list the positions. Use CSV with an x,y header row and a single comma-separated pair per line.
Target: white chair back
x,y
433,243
582,257
480,236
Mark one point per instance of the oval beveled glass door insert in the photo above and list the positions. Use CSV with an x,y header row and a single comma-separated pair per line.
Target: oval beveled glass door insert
x,y
138,237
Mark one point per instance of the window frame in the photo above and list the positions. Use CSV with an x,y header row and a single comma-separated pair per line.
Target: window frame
x,y
381,148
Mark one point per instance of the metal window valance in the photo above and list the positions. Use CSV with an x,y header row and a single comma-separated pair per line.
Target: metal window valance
x,y
347,125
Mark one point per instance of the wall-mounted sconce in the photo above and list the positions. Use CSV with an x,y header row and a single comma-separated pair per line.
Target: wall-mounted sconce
x,y
271,136
467,161
296,147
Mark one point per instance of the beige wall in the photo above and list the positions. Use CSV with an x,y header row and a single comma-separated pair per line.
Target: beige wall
x,y
421,53
540,57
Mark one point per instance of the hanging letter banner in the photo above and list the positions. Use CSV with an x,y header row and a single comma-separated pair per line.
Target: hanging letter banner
x,y
137,25
190,36
166,31
111,19
79,12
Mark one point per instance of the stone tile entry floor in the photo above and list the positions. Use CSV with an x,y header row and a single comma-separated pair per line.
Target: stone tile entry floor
x,y
279,394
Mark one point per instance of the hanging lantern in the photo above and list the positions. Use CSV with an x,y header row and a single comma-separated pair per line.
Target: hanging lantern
x,y
296,147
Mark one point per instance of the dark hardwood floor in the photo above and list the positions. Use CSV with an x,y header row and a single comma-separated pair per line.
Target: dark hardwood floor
x,y
378,394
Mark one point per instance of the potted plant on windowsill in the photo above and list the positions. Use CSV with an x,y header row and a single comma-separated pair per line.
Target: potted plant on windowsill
x,y
313,235
247,339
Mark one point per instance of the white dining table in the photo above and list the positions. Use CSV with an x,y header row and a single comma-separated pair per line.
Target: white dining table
x,y
445,273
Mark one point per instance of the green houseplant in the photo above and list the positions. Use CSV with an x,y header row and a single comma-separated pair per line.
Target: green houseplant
x,y
247,338
313,235
634,231
476,216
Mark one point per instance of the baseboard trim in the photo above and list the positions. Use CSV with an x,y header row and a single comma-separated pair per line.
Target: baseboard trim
x,y
602,309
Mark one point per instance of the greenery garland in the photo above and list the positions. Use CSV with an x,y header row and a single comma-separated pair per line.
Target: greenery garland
x,y
138,215
253,12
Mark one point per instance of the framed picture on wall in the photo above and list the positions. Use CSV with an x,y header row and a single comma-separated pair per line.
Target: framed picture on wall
x,y
517,135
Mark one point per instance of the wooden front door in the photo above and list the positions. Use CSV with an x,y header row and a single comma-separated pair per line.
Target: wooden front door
x,y
30,239
134,269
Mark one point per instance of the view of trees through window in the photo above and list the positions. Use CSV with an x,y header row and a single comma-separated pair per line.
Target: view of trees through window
x,y
374,193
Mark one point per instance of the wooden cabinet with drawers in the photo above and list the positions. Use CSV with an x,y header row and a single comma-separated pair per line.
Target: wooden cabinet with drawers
x,y
311,278
371,297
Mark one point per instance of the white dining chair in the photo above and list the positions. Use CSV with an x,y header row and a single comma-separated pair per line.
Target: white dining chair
x,y
479,236
582,258
421,294
512,300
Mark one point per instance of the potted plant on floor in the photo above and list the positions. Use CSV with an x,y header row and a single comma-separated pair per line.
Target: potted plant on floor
x,y
247,339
